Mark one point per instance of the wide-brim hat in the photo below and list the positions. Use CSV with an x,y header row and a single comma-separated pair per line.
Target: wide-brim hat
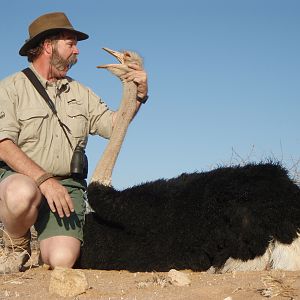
x,y
46,25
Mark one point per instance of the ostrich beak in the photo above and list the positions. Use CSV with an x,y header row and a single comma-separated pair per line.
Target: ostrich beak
x,y
118,55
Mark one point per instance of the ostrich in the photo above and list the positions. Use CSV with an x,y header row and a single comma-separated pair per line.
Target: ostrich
x,y
231,218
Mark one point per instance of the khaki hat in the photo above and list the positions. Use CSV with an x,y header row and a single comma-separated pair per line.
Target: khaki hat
x,y
46,25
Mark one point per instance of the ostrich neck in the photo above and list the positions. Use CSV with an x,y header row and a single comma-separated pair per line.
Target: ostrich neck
x,y
126,111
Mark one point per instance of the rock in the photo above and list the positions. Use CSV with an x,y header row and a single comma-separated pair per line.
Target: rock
x,y
178,278
67,282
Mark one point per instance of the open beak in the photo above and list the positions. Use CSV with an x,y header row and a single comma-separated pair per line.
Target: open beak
x,y
118,55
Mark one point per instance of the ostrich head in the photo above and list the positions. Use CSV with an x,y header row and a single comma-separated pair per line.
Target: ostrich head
x,y
125,58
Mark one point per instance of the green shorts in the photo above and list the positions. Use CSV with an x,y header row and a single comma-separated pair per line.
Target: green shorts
x,y
49,224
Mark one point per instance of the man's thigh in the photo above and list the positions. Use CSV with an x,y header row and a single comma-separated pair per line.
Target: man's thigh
x,y
49,224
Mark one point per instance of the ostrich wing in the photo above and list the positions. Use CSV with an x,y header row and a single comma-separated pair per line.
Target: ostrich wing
x,y
103,171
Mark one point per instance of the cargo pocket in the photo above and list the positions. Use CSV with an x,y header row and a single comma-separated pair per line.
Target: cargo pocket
x,y
31,121
77,119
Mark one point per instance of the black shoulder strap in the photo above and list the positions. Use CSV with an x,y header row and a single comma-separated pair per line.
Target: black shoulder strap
x,y
39,87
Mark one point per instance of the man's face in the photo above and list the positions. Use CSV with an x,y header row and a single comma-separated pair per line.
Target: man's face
x,y
64,53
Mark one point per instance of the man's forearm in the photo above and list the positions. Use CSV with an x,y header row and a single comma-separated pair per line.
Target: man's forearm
x,y
18,161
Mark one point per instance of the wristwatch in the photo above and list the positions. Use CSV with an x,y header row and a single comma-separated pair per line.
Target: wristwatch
x,y
142,100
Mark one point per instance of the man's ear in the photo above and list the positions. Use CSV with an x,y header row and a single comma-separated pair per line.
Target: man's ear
x,y
48,46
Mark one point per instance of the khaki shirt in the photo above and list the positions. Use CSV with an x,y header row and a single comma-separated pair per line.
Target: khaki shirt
x,y
27,120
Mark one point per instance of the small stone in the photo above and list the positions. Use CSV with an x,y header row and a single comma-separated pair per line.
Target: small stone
x,y
46,267
67,282
179,278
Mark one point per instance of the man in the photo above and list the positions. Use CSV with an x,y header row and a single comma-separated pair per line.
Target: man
x,y
36,146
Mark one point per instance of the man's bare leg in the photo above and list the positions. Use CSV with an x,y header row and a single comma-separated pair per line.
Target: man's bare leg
x,y
19,201
61,251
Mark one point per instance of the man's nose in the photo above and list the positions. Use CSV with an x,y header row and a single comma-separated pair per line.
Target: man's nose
x,y
76,50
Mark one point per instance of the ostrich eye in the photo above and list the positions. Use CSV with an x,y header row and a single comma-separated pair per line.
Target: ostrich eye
x,y
127,57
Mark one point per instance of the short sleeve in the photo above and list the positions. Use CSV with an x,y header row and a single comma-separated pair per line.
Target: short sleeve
x,y
100,116
9,127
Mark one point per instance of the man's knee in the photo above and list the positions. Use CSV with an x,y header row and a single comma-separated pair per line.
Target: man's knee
x,y
19,193
60,254
64,259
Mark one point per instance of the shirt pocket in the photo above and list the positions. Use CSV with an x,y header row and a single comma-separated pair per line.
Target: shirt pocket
x,y
31,122
77,119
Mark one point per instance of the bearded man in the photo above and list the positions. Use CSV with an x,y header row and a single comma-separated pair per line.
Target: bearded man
x,y
37,143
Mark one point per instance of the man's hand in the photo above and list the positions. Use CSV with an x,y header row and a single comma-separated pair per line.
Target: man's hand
x,y
139,76
57,197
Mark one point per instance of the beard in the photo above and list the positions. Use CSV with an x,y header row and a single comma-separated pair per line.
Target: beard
x,y
62,64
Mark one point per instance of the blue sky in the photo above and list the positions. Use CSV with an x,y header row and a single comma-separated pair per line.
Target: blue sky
x,y
223,78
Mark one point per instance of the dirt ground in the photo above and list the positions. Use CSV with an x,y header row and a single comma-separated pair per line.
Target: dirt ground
x,y
112,285
123,285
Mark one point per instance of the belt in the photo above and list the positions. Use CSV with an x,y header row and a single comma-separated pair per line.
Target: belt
x,y
5,167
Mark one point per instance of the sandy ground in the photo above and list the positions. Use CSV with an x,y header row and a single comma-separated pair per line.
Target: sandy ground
x,y
112,285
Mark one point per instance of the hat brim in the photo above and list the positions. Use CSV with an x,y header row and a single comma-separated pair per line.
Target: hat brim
x,y
33,42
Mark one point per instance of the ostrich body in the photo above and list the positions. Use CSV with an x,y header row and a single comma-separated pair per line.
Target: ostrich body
x,y
231,218
126,111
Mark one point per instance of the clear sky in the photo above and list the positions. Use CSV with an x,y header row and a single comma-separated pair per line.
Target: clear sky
x,y
223,78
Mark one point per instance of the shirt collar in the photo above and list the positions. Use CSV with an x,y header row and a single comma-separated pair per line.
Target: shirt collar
x,y
46,83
